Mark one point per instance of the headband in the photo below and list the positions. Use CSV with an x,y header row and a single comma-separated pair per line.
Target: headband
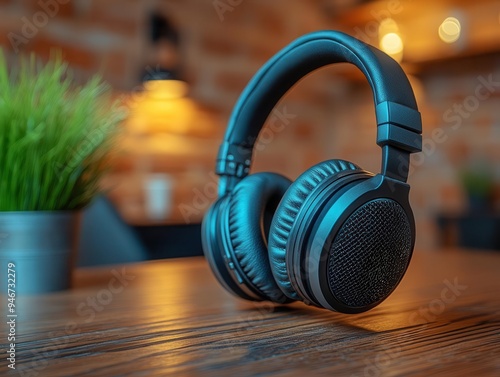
x,y
399,125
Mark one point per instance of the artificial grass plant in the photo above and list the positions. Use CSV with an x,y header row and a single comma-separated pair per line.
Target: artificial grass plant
x,y
54,136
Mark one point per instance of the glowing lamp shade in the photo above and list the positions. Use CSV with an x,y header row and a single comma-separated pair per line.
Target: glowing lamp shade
x,y
163,84
166,89
449,30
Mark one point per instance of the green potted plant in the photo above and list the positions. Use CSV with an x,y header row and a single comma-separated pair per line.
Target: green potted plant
x,y
477,228
478,183
54,139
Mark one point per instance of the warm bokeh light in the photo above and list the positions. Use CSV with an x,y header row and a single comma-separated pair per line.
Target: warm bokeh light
x,y
449,30
391,43
389,39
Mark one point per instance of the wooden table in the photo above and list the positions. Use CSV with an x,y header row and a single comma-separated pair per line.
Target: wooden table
x,y
171,318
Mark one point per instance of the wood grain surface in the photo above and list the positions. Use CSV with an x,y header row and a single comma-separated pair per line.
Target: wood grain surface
x,y
171,317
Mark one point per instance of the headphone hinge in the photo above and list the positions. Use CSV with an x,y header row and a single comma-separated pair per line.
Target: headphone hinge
x,y
233,164
233,160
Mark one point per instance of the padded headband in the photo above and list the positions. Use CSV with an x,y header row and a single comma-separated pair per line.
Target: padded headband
x,y
398,120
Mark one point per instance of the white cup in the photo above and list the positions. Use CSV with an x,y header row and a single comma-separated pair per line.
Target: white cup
x,y
159,196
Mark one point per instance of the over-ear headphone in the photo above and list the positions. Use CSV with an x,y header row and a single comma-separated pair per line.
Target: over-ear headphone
x,y
341,238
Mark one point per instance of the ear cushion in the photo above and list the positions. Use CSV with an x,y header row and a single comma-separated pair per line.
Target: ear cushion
x,y
286,214
250,200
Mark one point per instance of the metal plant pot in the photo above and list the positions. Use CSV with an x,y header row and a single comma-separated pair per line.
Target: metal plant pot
x,y
42,247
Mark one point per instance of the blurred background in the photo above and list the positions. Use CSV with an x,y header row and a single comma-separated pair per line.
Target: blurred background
x,y
180,65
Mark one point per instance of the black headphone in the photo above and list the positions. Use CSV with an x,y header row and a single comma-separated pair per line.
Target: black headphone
x,y
341,238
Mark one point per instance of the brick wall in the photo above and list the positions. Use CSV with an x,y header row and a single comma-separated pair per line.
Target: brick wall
x,y
224,42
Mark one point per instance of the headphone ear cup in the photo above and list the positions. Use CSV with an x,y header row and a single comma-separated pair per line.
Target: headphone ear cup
x,y
253,199
287,213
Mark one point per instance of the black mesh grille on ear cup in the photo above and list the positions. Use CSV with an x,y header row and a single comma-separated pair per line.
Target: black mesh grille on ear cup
x,y
370,253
